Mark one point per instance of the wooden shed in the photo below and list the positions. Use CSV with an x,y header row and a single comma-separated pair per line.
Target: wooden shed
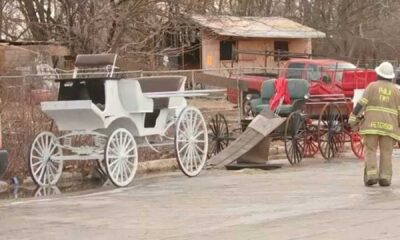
x,y
221,35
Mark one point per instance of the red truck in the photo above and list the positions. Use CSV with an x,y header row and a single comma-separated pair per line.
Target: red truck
x,y
326,76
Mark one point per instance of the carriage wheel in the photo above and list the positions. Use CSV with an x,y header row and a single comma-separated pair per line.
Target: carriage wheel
x,y
311,142
357,146
294,138
330,131
43,168
219,135
342,139
121,157
191,141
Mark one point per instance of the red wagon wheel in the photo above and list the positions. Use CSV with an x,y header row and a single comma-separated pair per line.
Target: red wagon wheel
x,y
357,146
330,131
311,141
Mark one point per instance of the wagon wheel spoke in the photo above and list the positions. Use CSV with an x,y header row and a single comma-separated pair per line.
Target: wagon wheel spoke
x,y
357,146
213,149
213,128
198,148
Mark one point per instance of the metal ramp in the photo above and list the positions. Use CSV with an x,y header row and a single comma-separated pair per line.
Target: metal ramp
x,y
252,146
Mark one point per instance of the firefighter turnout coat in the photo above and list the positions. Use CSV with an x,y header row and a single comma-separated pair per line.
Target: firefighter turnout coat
x,y
381,105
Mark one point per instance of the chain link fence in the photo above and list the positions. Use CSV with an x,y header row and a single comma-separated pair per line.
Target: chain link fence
x,y
22,118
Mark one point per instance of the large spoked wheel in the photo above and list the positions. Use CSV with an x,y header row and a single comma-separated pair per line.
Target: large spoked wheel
x,y
121,157
218,135
330,131
294,138
311,141
44,169
357,146
191,141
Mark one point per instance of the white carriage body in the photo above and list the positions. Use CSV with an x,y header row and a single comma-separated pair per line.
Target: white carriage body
x,y
113,112
126,105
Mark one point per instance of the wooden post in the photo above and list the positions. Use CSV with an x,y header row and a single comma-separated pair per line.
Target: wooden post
x,y
193,83
183,56
279,59
265,60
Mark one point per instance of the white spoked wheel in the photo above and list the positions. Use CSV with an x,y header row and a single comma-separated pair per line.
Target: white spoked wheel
x,y
44,169
121,157
191,141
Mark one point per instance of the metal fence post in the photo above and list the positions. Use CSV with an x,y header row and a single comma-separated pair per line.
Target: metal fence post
x,y
193,82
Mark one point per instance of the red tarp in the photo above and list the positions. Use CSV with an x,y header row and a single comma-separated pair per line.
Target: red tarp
x,y
281,91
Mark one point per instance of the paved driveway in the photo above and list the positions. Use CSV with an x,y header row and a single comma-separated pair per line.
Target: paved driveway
x,y
315,201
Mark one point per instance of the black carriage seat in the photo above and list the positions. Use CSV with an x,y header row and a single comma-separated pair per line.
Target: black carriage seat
x,y
90,66
298,89
83,90
159,84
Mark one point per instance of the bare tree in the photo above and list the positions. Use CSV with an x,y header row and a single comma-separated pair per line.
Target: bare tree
x,y
354,28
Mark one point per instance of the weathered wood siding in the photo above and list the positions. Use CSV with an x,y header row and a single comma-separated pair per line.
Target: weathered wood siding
x,y
211,52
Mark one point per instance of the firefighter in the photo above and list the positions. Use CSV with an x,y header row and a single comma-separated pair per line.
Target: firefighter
x,y
379,109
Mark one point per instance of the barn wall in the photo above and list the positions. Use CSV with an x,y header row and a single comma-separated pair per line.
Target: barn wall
x,y
251,60
210,52
300,46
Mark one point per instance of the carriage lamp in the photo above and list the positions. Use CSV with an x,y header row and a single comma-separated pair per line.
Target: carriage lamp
x,y
252,96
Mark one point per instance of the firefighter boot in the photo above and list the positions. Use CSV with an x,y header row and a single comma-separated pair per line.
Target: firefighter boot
x,y
384,183
369,180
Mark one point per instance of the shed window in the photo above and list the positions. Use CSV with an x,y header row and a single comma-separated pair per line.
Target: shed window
x,y
226,50
281,48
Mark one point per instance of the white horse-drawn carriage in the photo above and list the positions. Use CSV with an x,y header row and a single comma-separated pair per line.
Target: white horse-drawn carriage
x,y
113,113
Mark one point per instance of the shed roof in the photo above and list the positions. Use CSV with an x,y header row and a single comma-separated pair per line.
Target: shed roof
x,y
256,27
18,43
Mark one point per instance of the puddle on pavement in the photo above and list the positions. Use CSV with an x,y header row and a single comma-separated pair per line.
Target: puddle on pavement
x,y
16,192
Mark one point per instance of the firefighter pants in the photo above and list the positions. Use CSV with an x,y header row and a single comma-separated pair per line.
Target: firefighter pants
x,y
371,143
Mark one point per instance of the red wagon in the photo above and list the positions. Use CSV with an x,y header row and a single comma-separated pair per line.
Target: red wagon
x,y
324,115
